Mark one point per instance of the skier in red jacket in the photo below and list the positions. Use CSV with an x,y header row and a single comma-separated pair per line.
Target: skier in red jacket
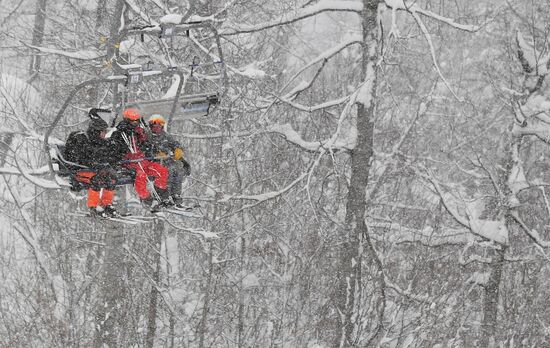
x,y
130,139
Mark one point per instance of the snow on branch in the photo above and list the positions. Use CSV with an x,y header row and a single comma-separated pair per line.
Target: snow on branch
x,y
302,13
352,40
535,106
12,103
531,233
534,127
426,237
468,214
290,135
327,104
251,71
412,7
344,138
15,171
479,278
56,284
293,137
407,293
260,198
141,264
215,135
299,88
265,196
31,176
196,231
81,55
28,233
140,12
416,11
516,179
432,51
44,183
532,61
165,9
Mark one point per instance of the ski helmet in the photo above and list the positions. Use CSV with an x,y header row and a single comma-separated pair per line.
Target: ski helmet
x,y
157,119
97,130
131,114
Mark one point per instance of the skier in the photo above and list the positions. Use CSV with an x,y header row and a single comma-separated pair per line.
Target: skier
x,y
94,151
169,152
131,140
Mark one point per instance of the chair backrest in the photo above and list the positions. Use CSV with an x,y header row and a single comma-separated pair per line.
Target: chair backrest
x,y
64,164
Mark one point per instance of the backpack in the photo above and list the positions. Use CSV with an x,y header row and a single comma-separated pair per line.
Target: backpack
x,y
77,146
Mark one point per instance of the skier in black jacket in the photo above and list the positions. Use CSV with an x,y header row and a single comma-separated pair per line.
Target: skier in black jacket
x,y
169,152
96,152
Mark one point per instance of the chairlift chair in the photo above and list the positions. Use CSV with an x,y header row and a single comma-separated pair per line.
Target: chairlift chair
x,y
180,105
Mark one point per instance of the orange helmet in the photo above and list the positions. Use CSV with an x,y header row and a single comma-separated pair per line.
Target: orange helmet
x,y
131,114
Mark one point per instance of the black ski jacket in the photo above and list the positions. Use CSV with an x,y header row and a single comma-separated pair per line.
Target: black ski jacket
x,y
89,149
161,142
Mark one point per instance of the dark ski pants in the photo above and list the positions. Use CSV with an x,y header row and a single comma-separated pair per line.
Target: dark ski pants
x,y
175,177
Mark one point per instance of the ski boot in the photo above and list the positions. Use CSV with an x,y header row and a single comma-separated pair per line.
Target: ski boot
x,y
147,202
110,211
94,212
156,206
98,212
152,204
178,201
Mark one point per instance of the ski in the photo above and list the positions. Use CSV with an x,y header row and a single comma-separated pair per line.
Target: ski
x,y
126,218
187,211
184,211
138,218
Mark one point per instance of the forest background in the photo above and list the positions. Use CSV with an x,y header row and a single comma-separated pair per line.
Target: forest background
x,y
374,176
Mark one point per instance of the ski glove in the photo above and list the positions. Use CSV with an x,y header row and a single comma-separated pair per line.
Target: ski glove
x,y
161,155
178,154
134,156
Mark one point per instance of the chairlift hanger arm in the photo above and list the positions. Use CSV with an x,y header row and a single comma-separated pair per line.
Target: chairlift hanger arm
x,y
181,84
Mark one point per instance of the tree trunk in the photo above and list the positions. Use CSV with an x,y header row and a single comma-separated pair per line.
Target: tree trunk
x,y
240,315
361,158
153,298
111,285
490,300
100,14
207,293
511,149
5,146
171,266
38,35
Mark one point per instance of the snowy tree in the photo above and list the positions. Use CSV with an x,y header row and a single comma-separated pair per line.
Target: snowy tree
x,y
373,176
